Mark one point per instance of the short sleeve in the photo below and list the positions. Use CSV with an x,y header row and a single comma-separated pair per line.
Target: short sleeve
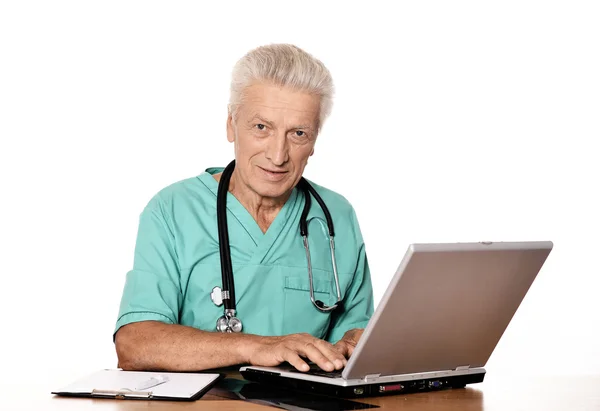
x,y
358,301
152,289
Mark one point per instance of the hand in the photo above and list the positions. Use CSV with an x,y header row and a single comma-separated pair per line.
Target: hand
x,y
295,348
346,345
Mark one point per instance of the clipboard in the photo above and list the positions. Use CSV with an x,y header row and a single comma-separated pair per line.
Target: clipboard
x,y
141,385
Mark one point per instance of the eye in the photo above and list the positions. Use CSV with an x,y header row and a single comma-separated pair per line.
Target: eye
x,y
300,133
260,126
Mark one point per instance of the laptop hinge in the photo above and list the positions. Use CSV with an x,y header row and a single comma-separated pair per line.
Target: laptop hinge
x,y
462,367
371,376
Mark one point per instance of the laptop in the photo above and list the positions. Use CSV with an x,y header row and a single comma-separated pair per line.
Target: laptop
x,y
435,327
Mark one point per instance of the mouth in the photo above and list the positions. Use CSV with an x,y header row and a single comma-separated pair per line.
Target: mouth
x,y
272,171
273,175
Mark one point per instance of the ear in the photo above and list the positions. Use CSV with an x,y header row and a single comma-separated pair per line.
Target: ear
x,y
230,129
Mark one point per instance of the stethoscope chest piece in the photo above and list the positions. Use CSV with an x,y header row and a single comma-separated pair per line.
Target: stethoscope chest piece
x,y
229,323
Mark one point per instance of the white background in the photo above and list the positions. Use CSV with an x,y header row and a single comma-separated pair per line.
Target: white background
x,y
453,121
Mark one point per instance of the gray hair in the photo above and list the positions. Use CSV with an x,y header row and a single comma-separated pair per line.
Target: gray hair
x,y
282,65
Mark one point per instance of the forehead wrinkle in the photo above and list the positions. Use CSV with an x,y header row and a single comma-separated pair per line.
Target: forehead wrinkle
x,y
286,107
302,124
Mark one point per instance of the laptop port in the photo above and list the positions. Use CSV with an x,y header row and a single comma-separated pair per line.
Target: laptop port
x,y
435,384
391,388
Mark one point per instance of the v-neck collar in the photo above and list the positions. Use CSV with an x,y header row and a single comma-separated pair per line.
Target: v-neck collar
x,y
263,241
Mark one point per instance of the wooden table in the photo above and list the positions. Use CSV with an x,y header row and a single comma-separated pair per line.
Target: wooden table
x,y
497,392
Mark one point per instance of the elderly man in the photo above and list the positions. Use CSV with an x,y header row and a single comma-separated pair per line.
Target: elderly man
x,y
280,97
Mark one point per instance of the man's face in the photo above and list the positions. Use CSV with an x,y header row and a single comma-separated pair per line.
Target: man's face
x,y
274,134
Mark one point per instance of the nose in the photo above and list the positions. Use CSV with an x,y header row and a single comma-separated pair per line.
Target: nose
x,y
278,149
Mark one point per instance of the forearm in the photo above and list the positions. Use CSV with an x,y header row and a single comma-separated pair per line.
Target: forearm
x,y
152,345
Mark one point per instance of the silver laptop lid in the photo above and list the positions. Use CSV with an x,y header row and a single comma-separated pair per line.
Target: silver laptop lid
x,y
446,307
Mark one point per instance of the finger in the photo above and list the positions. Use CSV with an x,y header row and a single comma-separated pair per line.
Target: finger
x,y
342,348
334,354
294,359
350,349
310,351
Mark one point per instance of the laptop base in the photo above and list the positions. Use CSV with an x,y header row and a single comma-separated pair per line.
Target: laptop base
x,y
364,390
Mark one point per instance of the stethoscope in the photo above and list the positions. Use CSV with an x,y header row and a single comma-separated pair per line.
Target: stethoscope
x,y
228,322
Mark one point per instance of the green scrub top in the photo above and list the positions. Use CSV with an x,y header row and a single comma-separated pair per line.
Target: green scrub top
x,y
177,264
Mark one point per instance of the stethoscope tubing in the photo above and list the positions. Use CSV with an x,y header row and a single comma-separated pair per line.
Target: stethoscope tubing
x,y
227,280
